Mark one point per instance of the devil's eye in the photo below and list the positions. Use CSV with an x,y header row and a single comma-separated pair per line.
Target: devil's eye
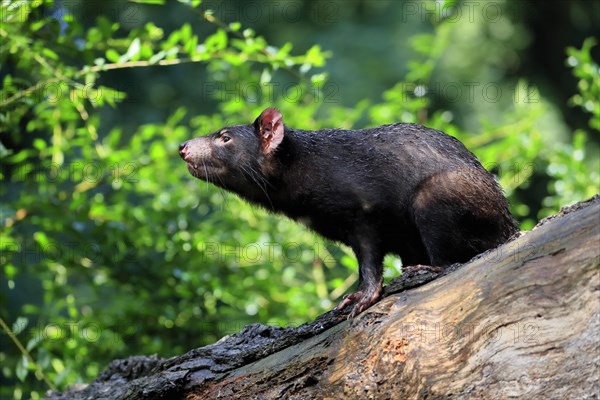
x,y
225,138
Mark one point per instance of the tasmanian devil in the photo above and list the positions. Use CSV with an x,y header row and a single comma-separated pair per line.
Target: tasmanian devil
x,y
399,188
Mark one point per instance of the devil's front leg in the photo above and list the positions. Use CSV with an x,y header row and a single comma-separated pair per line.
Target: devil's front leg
x,y
370,286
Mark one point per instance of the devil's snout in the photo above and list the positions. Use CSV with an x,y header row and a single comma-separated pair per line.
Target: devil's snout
x,y
183,150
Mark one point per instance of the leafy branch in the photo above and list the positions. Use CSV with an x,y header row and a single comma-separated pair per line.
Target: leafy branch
x,y
38,370
247,47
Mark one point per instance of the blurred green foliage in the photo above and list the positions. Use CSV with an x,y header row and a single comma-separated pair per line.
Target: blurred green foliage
x,y
109,247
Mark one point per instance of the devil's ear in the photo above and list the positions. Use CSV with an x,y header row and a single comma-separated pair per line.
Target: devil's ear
x,y
269,128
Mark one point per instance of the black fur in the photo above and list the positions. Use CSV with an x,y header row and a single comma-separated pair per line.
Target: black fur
x,y
399,188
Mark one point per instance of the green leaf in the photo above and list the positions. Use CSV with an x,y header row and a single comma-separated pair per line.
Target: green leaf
x,y
39,144
192,3
176,117
10,271
50,54
318,79
22,369
186,32
157,57
19,325
112,55
34,341
132,52
422,43
315,56
153,2
216,41
41,238
265,76
191,44
58,365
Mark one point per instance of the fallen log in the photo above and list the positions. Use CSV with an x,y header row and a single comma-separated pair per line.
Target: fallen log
x,y
519,321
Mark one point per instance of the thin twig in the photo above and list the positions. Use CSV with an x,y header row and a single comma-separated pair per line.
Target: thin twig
x,y
24,351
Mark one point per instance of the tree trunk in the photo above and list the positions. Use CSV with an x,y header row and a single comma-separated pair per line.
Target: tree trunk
x,y
519,321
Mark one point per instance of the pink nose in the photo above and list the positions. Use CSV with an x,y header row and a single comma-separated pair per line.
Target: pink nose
x,y
183,150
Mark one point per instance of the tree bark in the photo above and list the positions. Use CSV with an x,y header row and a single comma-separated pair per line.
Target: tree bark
x,y
519,321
